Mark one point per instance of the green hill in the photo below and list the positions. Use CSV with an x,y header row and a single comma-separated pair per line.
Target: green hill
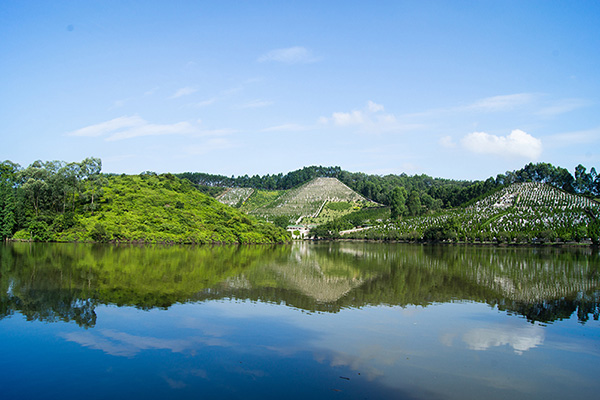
x,y
521,212
155,208
309,200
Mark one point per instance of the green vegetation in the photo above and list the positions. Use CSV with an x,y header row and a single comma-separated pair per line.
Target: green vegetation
x,y
431,193
259,198
308,201
334,210
65,282
56,201
520,213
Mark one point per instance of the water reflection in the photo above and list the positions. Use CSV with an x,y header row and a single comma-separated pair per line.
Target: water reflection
x,y
65,282
350,320
520,339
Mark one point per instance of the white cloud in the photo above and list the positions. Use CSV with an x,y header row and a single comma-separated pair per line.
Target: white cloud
x,y
290,55
517,144
371,119
374,107
183,92
130,127
520,339
349,118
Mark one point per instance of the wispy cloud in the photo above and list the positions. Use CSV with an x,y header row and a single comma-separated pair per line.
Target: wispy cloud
x,y
562,106
517,144
147,129
575,138
499,103
256,104
286,128
185,91
118,103
113,125
151,91
128,127
203,103
447,142
493,104
290,55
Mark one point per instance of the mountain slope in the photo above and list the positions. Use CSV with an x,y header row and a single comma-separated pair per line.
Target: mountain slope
x,y
520,212
309,199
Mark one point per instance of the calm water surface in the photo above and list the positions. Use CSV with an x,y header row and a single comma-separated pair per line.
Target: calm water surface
x,y
331,321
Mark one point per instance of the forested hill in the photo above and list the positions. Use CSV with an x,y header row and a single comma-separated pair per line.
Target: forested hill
x,y
265,182
56,201
431,192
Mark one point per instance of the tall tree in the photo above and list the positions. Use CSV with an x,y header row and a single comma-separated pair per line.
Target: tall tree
x,y
8,172
397,202
35,185
414,203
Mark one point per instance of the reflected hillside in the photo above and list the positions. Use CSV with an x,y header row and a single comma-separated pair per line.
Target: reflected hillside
x,y
65,282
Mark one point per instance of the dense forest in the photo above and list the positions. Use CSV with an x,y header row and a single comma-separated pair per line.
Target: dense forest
x,y
72,202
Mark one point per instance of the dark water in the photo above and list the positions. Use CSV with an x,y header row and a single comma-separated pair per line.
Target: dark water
x,y
306,321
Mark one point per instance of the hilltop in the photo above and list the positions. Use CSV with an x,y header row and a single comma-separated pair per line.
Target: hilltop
x,y
305,202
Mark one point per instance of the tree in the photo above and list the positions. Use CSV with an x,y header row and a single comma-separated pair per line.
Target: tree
x,y
583,180
8,171
35,184
397,202
93,181
414,204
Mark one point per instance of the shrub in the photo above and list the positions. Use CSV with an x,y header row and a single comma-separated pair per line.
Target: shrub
x,y
99,233
40,231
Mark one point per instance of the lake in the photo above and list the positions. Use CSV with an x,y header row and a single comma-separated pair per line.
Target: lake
x,y
302,321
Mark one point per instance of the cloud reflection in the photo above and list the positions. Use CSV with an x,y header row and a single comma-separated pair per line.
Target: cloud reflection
x,y
126,345
520,339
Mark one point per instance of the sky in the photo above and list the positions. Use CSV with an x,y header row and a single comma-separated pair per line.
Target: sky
x,y
451,89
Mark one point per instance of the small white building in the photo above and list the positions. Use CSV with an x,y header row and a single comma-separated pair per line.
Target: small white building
x,y
300,231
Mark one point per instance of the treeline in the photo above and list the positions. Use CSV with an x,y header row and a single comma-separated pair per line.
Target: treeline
x,y
426,193
46,195
265,182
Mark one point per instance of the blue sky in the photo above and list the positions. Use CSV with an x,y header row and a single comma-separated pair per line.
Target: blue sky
x,y
453,89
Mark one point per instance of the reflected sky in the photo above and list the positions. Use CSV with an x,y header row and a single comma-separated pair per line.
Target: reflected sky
x,y
226,341
447,351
